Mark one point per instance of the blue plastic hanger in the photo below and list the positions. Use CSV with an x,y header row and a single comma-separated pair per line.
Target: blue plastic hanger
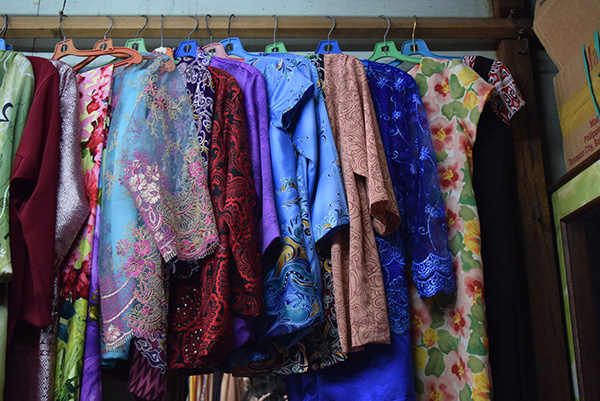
x,y
216,49
276,47
418,46
328,46
233,46
387,49
3,45
188,47
138,43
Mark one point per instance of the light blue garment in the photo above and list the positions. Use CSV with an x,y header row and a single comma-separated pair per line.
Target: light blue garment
x,y
309,192
156,205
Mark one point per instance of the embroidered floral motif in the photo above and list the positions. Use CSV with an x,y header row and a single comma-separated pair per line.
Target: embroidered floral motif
x,y
154,209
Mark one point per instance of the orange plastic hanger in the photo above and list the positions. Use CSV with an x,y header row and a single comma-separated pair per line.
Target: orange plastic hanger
x,y
103,47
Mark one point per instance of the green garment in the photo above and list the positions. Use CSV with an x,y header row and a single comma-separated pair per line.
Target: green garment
x,y
16,93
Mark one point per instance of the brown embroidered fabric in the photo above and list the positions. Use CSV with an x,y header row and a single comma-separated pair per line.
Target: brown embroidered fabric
x,y
360,301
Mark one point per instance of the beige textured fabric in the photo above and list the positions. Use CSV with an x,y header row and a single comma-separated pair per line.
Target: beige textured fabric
x,y
360,300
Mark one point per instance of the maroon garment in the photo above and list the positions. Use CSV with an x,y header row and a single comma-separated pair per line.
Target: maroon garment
x,y
229,282
33,184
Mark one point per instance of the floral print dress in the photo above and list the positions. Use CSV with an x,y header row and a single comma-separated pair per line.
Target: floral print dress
x,y
94,91
449,335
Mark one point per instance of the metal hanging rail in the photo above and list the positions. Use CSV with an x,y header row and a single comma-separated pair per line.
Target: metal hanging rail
x,y
262,27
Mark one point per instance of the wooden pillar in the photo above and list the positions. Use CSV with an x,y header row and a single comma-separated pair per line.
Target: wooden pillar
x,y
548,337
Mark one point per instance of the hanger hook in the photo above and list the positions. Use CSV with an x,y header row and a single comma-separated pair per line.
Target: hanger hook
x,y
229,26
414,28
110,27
196,27
144,27
521,37
388,28
161,30
64,37
274,30
332,28
5,27
207,28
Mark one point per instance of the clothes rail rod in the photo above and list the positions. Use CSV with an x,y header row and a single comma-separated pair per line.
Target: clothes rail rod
x,y
262,27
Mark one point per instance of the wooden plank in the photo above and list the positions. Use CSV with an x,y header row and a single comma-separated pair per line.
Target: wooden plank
x,y
547,323
262,27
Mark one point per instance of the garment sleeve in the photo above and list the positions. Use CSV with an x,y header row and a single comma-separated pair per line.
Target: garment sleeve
x,y
162,170
382,200
72,208
431,259
33,202
237,203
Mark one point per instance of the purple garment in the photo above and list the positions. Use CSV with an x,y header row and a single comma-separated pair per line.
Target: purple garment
x,y
147,371
201,90
254,88
91,381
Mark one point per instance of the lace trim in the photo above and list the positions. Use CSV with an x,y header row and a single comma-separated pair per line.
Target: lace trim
x,y
434,274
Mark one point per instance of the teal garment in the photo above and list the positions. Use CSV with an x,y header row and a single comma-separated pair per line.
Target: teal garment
x,y
309,193
156,205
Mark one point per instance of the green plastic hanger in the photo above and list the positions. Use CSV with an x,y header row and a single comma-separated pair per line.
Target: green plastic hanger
x,y
388,49
276,47
138,43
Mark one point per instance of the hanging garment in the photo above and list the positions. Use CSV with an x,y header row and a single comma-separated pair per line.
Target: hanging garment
x,y
319,188
91,376
292,286
449,335
147,371
35,348
492,186
385,372
254,88
201,89
16,72
93,92
155,204
360,304
32,219
256,110
16,95
228,282
71,205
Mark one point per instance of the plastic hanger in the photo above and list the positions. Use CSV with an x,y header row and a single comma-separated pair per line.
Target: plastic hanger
x,y
3,44
216,49
233,46
328,46
276,47
418,46
161,49
138,43
67,48
102,44
387,49
188,47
